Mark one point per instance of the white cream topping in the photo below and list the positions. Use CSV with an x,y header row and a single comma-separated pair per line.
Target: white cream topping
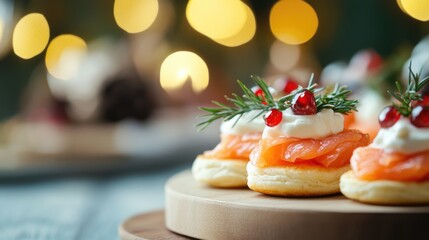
x,y
246,124
322,124
402,137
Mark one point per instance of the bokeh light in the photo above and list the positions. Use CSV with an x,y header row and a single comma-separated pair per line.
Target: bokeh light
x,y
217,19
135,16
418,9
30,36
293,21
181,66
64,55
284,56
245,34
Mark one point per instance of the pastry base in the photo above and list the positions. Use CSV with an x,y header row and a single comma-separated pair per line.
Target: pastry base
x,y
220,172
295,181
384,191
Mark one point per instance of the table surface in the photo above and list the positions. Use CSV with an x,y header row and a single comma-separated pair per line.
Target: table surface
x,y
79,207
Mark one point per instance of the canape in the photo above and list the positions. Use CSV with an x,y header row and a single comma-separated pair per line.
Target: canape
x,y
394,169
305,152
225,165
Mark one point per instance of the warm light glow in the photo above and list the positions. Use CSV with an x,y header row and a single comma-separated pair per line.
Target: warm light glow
x,y
64,56
182,74
293,21
30,36
245,34
181,66
418,9
283,56
217,19
135,15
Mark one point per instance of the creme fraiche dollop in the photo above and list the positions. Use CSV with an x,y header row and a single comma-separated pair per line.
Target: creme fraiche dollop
x,y
402,137
246,124
319,125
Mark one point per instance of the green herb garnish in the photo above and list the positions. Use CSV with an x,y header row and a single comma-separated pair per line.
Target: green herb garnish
x,y
410,94
249,101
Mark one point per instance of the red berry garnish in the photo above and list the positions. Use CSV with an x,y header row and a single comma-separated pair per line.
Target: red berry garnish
x,y
289,85
375,62
420,117
258,92
368,60
388,117
304,103
285,85
423,102
273,118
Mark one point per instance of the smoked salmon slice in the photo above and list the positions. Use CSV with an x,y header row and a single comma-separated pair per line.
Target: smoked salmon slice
x,y
331,151
234,146
349,119
370,164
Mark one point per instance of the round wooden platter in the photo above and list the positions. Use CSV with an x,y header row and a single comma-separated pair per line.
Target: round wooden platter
x,y
198,211
147,226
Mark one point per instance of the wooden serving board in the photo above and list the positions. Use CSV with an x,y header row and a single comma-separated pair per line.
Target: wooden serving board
x,y
147,226
198,211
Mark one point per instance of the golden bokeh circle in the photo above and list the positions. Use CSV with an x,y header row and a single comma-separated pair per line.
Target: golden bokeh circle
x,y
418,9
135,16
293,21
216,19
64,54
182,66
30,36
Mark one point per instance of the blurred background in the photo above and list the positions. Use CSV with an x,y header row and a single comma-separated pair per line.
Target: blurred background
x,y
117,83
100,87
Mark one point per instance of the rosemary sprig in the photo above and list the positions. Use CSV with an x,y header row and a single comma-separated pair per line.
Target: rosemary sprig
x,y
335,100
410,94
248,102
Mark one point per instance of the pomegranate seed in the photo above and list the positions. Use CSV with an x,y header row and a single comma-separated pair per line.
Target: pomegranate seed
x,y
423,102
289,85
285,85
368,60
304,103
259,93
388,117
375,62
273,118
420,116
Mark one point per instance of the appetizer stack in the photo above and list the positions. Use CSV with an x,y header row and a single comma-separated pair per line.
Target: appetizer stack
x,y
394,169
225,165
304,147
